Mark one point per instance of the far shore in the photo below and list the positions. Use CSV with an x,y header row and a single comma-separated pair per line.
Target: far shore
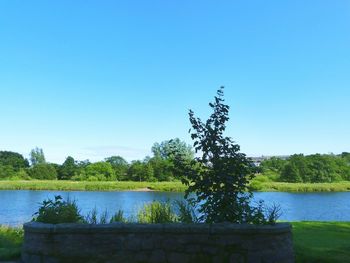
x,y
175,186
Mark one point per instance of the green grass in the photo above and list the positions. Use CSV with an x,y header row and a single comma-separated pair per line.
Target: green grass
x,y
10,242
257,184
321,242
90,186
300,187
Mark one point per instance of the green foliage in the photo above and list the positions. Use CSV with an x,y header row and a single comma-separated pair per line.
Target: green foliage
x,y
7,172
120,166
273,164
11,240
37,156
93,218
14,160
168,150
118,217
186,212
315,168
156,212
68,169
141,171
43,171
220,183
101,170
58,211
163,169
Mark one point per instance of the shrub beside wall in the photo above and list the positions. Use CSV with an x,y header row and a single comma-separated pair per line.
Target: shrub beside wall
x,y
118,242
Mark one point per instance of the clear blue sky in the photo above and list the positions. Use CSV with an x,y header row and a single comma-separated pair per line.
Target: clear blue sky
x,y
98,78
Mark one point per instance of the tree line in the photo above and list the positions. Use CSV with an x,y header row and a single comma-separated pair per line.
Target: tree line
x,y
161,166
315,168
158,167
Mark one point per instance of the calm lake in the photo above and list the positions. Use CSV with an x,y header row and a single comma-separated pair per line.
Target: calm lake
x,y
17,207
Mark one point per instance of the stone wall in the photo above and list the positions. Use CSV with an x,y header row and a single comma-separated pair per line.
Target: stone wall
x,y
178,243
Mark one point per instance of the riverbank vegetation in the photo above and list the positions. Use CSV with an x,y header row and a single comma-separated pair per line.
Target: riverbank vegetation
x,y
57,185
175,186
161,167
319,242
315,168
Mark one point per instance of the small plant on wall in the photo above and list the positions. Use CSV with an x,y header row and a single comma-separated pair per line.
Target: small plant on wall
x,y
58,211
218,180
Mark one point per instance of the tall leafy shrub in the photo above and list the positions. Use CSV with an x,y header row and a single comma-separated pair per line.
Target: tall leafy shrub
x,y
219,177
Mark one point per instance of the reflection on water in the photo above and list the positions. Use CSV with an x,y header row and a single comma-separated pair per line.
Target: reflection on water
x,y
18,206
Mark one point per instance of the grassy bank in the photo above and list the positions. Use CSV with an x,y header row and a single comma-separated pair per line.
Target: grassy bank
x,y
300,187
164,186
319,242
90,186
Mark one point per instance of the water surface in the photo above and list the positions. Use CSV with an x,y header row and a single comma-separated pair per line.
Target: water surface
x,y
18,206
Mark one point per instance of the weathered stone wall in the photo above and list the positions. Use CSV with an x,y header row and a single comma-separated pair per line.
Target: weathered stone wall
x,y
178,243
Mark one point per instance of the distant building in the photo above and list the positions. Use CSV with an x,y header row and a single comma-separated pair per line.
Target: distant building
x,y
257,160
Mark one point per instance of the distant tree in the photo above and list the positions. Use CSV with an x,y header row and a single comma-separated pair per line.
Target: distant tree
x,y
169,149
315,168
13,159
43,171
120,166
68,169
346,156
141,171
163,169
7,171
164,155
116,160
102,171
274,164
37,156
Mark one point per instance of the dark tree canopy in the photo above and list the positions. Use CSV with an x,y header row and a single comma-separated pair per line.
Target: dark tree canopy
x,y
15,160
68,169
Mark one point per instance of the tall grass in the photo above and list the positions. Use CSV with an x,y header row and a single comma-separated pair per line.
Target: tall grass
x,y
119,217
156,212
90,186
261,183
300,187
11,240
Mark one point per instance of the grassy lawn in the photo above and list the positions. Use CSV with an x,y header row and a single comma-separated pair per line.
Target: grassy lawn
x,y
319,242
90,186
10,242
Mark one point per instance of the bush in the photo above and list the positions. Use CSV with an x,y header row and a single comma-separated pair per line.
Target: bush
x,y
58,211
156,212
43,171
